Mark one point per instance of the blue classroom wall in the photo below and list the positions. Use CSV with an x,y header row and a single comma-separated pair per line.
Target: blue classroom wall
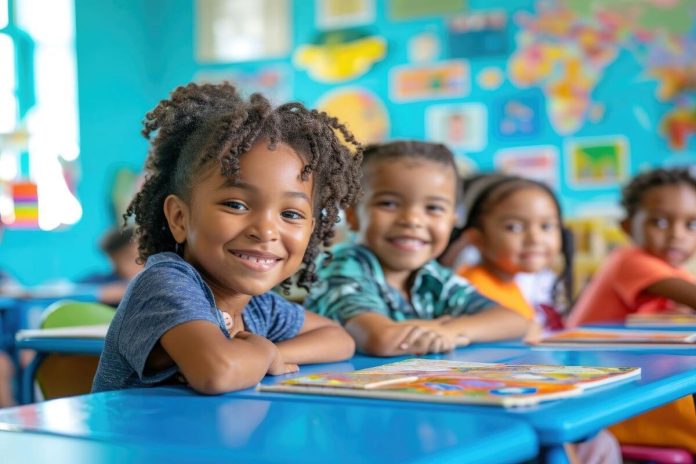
x,y
132,53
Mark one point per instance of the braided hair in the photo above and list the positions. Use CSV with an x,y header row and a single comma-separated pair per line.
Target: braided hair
x,y
632,193
483,192
200,126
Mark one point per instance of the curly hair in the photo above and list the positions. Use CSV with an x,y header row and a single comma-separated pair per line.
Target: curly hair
x,y
483,191
632,193
414,149
200,126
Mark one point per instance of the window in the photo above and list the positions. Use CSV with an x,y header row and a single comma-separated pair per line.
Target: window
x,y
39,145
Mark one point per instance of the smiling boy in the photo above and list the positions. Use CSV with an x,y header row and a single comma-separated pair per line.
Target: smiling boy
x,y
387,289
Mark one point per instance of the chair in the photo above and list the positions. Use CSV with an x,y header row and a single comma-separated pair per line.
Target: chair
x,y
61,375
656,454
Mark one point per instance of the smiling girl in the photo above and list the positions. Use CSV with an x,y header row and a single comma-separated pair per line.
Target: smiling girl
x,y
238,196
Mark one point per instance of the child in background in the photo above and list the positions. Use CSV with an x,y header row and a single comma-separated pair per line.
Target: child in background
x,y
122,250
238,195
515,224
647,277
388,290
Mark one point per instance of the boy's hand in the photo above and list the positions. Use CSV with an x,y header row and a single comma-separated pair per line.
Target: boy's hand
x,y
280,367
418,340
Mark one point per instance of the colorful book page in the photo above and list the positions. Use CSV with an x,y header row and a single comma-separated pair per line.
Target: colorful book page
x,y
580,376
458,382
351,380
621,337
660,320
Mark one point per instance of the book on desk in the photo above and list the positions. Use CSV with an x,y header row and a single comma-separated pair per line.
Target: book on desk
x,y
598,338
434,380
661,320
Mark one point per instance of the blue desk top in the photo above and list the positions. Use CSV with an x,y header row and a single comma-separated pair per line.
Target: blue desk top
x,y
175,424
62,345
664,378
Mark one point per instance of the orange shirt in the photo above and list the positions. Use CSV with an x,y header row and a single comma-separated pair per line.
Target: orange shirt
x,y
616,290
613,293
507,294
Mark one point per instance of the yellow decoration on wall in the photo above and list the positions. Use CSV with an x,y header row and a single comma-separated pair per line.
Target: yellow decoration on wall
x,y
360,110
340,55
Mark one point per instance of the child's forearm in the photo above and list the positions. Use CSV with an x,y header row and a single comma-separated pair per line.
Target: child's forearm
x,y
495,323
246,363
323,344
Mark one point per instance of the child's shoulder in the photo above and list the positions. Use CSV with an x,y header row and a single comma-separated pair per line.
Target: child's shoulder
x,y
165,272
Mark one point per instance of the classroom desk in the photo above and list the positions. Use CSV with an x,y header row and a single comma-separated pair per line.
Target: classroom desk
x,y
665,377
173,424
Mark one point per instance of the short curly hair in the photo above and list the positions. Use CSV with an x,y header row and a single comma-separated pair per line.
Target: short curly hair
x,y
412,149
207,124
632,193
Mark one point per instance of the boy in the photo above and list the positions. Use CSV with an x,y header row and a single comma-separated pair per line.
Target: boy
x,y
647,277
388,290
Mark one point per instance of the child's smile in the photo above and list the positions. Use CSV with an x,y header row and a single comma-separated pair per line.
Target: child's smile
x,y
246,234
406,215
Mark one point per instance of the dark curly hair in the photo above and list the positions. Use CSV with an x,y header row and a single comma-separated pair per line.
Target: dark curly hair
x,y
204,125
399,149
632,193
483,191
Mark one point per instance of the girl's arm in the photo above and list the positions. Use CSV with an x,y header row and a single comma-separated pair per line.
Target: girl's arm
x,y
678,290
319,340
495,323
212,363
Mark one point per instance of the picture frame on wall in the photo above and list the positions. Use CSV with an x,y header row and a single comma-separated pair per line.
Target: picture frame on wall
x,y
229,31
335,14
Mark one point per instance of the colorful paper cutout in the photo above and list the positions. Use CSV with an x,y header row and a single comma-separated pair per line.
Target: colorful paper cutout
x,y
461,126
490,78
274,82
445,79
344,13
338,56
519,117
478,34
538,162
597,161
360,110
25,196
411,9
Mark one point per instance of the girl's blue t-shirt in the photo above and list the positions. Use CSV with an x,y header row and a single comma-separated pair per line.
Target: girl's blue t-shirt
x,y
169,292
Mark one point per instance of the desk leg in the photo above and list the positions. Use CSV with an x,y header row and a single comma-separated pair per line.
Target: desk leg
x,y
26,394
555,455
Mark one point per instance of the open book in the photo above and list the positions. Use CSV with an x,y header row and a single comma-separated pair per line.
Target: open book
x,y
620,337
661,320
446,381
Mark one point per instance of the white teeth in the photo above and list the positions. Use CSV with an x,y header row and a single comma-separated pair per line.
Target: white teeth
x,y
255,259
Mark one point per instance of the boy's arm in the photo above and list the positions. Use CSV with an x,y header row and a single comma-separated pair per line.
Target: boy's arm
x,y
319,340
377,335
678,290
493,323
212,363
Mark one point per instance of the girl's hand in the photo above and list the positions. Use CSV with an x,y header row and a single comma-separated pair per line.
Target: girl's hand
x,y
280,367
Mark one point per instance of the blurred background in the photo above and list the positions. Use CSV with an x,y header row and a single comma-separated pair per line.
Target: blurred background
x,y
581,94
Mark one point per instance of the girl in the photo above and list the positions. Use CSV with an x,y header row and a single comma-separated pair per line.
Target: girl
x,y
238,195
515,224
